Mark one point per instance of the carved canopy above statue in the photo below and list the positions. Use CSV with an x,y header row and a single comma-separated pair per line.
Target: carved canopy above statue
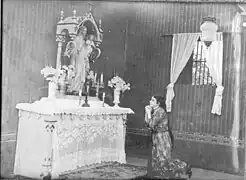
x,y
79,38
70,27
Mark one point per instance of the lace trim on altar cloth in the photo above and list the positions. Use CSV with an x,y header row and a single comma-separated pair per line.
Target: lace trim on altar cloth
x,y
69,142
79,143
80,111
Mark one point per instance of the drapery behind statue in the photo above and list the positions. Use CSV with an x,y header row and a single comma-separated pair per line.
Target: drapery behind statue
x,y
79,51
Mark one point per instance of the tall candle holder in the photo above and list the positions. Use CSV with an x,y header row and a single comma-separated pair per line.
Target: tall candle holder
x,y
99,85
86,104
80,97
103,98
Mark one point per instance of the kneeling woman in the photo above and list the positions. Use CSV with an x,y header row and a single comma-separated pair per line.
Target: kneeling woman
x,y
160,163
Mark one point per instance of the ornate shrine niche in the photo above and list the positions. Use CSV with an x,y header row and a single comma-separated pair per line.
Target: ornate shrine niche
x,y
69,28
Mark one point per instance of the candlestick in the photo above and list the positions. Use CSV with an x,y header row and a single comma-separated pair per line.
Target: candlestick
x,y
80,97
97,86
95,77
101,78
87,88
86,102
103,98
86,96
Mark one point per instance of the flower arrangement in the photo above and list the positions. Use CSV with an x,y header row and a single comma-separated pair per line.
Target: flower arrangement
x,y
118,83
91,76
49,73
67,73
58,76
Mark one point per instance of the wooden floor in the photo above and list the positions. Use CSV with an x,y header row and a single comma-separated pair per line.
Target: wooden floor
x,y
198,174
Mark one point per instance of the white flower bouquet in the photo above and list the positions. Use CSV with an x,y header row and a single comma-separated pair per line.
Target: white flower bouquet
x,y
56,76
118,83
91,76
67,73
49,73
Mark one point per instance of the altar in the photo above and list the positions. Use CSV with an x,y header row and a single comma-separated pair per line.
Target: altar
x,y
56,138
70,129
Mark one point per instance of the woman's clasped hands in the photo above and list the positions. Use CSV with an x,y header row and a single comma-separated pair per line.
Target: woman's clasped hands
x,y
148,110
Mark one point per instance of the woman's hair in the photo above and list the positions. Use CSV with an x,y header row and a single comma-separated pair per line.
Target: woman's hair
x,y
161,100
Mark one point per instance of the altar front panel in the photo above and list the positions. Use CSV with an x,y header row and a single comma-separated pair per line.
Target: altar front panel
x,y
61,143
86,140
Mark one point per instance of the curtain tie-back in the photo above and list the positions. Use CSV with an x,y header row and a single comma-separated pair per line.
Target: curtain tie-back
x,y
170,85
217,104
219,91
169,97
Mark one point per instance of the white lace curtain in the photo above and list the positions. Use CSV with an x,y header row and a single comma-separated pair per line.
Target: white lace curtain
x,y
214,60
182,47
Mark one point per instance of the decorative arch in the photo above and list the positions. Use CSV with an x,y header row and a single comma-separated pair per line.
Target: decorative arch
x,y
92,28
69,27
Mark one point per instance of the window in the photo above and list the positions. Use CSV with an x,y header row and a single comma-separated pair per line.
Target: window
x,y
200,71
196,71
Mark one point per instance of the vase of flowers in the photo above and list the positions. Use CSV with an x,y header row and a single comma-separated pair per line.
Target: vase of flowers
x,y
50,74
116,97
119,85
56,78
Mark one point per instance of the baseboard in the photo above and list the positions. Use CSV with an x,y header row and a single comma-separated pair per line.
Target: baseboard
x,y
196,137
200,150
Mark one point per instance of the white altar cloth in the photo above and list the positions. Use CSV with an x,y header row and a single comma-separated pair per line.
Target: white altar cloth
x,y
56,137
70,106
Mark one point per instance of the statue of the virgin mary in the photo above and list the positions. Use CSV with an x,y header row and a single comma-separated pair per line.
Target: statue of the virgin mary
x,y
79,51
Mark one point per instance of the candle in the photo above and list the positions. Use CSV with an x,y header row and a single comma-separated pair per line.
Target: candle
x,y
102,78
97,88
87,89
95,77
103,96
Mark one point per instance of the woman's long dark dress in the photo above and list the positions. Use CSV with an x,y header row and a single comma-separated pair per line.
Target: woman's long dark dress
x,y
160,162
